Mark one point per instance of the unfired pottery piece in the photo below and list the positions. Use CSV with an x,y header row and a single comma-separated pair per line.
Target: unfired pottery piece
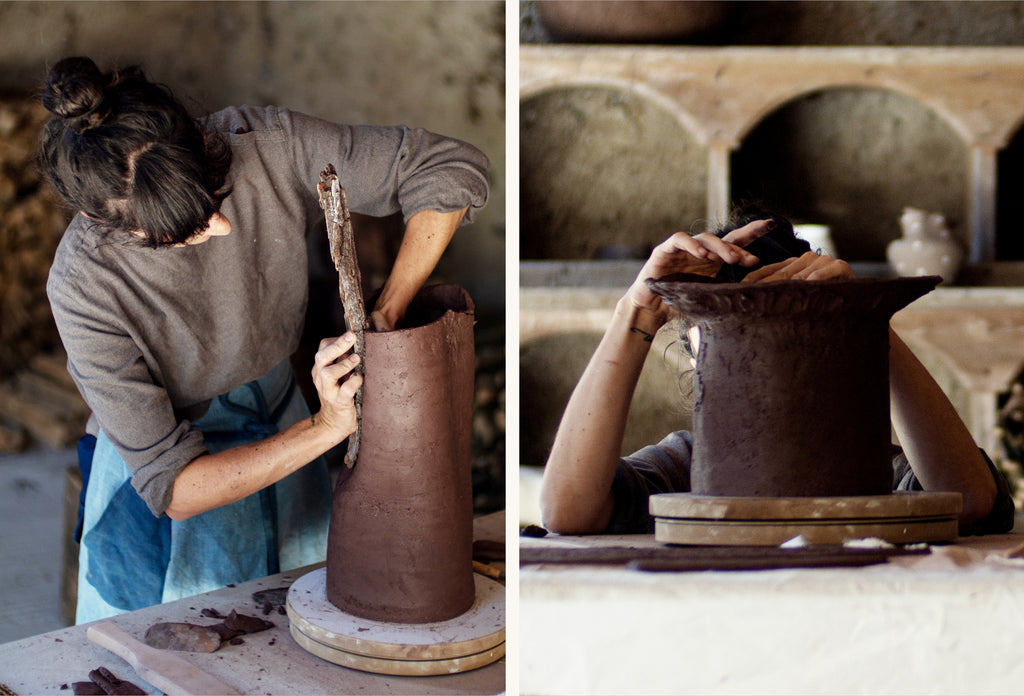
x,y
401,534
792,384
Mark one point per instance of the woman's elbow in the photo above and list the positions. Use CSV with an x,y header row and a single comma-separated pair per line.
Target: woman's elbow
x,y
978,501
178,515
561,514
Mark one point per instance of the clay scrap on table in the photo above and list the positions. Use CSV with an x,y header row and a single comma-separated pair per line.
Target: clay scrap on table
x,y
271,600
103,681
189,637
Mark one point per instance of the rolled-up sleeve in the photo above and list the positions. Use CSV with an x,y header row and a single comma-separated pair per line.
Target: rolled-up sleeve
x,y
390,169
133,412
998,521
660,468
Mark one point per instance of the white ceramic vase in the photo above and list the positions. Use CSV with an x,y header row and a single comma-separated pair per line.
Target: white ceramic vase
x,y
819,237
926,247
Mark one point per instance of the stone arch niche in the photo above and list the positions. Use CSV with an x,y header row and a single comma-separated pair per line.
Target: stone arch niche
x,y
977,91
1010,199
853,158
605,172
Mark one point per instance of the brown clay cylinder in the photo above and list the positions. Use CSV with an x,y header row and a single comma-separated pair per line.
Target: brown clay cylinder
x,y
792,384
400,544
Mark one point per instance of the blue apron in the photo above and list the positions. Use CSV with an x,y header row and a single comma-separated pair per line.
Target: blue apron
x,y
130,559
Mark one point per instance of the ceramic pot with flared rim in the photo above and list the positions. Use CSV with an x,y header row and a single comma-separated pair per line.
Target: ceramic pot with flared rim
x,y
792,384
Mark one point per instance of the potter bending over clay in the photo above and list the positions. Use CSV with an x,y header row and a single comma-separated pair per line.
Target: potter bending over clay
x,y
179,290
587,488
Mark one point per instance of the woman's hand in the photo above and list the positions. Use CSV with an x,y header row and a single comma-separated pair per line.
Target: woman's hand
x,y
809,266
212,480
379,322
702,254
427,235
336,384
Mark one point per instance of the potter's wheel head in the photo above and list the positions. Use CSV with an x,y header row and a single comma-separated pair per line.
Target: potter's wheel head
x,y
704,296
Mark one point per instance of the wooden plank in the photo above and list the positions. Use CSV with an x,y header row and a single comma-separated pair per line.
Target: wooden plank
x,y
54,366
41,423
676,558
53,397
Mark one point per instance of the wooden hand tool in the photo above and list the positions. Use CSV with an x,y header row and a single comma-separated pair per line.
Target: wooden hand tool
x,y
166,671
343,253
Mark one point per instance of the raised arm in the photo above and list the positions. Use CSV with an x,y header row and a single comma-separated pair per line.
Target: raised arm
x,y
576,490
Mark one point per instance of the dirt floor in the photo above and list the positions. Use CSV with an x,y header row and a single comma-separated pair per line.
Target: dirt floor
x,y
31,517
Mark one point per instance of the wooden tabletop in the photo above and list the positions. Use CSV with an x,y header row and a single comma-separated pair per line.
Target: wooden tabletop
x,y
269,662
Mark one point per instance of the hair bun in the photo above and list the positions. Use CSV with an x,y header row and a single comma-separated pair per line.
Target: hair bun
x,y
74,87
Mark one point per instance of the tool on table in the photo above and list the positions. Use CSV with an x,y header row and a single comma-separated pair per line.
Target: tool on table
x,y
103,682
488,571
343,253
166,671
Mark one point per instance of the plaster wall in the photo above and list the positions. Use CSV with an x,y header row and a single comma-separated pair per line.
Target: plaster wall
x,y
851,155
437,65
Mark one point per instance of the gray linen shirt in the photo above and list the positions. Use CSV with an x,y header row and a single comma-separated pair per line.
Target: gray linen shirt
x,y
152,335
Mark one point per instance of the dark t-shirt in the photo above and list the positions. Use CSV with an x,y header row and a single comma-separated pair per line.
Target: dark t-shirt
x,y
665,468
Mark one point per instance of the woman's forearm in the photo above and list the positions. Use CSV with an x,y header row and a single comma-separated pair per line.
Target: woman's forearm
x,y
576,495
427,235
213,480
938,445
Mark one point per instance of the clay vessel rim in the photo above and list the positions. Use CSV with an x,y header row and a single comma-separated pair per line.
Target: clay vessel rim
x,y
432,296
409,329
791,298
702,284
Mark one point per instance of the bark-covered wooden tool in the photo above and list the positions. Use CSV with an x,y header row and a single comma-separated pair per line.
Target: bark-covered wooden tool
x,y
343,253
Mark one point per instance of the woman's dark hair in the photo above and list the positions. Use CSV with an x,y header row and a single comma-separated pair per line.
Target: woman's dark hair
x,y
777,245
125,152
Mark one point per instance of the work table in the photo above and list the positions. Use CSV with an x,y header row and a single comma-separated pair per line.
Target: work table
x,y
946,622
269,662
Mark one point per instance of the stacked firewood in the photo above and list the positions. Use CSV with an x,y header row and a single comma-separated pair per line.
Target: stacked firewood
x,y
38,403
1011,431
31,224
489,421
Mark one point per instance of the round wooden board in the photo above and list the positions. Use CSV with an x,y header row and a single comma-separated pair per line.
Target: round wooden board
x,y
404,668
463,639
772,533
899,518
911,504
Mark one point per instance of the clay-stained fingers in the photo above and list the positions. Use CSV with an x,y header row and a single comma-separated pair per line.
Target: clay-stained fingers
x,y
703,252
347,384
336,359
336,371
331,349
742,236
809,266
380,323
725,251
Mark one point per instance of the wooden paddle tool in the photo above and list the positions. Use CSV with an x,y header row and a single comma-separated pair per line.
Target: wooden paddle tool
x,y
166,671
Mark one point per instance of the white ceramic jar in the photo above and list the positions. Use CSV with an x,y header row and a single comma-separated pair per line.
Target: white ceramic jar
x,y
926,247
